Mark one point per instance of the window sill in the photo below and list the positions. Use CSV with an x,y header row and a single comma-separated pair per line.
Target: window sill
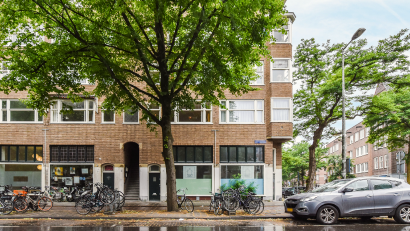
x,y
22,122
187,123
280,82
131,123
107,122
282,121
224,123
72,123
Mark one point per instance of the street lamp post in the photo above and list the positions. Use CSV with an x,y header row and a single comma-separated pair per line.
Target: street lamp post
x,y
356,35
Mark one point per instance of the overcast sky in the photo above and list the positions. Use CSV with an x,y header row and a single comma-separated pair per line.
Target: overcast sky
x,y
337,20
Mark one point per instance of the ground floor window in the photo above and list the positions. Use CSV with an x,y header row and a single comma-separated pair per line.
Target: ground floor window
x,y
196,178
19,175
250,173
71,175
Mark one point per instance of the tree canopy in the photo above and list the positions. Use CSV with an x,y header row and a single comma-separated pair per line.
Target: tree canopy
x,y
138,53
318,102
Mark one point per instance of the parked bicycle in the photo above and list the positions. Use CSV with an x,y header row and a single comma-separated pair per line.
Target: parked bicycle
x,y
217,203
94,202
184,202
9,201
35,200
250,203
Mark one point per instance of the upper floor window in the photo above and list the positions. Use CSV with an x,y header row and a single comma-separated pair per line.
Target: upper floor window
x,y
72,153
362,134
4,69
356,136
260,72
367,132
15,111
200,114
83,112
108,116
351,140
376,163
283,38
280,70
281,110
197,154
21,153
242,111
131,117
242,154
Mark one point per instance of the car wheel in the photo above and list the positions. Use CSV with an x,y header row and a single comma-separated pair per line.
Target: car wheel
x,y
402,214
327,215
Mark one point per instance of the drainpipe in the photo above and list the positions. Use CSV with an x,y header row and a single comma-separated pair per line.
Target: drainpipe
x,y
214,158
45,158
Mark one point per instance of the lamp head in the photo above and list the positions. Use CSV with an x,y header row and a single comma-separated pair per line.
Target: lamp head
x,y
359,32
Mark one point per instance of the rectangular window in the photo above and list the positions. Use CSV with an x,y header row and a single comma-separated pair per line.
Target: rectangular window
x,y
200,114
15,111
108,117
281,70
242,111
362,134
381,162
280,37
4,69
21,153
281,110
376,163
250,173
75,174
193,154
337,147
260,72
233,154
198,179
65,111
131,117
351,140
156,111
367,132
366,167
357,152
72,153
356,135
351,154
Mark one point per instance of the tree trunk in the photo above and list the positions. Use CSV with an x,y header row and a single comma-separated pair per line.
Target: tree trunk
x,y
317,135
167,142
407,161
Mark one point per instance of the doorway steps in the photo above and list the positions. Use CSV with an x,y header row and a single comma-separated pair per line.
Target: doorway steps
x,y
132,190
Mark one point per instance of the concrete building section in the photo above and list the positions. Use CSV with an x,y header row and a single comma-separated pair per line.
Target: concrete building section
x,y
124,154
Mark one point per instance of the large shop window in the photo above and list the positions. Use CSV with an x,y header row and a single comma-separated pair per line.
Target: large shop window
x,y
250,154
15,111
19,175
71,175
281,70
21,153
242,111
200,114
196,178
197,154
82,112
250,173
281,110
72,153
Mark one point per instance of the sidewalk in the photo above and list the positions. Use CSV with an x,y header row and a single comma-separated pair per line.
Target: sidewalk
x,y
150,210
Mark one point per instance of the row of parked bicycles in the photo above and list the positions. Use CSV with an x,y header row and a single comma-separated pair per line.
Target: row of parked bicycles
x,y
233,199
86,201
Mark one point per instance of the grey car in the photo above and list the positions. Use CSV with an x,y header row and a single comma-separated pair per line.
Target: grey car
x,y
364,197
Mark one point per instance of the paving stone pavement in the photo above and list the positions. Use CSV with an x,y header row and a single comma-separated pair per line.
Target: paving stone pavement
x,y
149,210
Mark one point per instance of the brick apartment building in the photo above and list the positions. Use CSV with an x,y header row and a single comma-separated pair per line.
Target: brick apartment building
x,y
368,159
90,146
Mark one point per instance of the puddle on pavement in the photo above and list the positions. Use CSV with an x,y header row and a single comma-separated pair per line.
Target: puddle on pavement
x,y
374,227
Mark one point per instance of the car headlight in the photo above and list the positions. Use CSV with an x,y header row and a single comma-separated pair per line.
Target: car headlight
x,y
308,199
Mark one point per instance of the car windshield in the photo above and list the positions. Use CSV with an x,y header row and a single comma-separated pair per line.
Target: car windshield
x,y
332,186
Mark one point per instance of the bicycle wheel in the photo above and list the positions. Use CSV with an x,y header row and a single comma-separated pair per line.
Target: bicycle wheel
x,y
5,207
252,207
261,207
107,196
188,205
20,204
83,206
45,204
119,200
218,207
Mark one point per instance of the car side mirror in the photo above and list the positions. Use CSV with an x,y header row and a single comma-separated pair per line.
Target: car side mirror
x,y
347,190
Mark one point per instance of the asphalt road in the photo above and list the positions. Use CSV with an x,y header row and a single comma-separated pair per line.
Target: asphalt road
x,y
197,225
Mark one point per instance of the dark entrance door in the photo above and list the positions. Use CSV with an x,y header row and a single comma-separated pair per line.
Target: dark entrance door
x,y
108,179
154,186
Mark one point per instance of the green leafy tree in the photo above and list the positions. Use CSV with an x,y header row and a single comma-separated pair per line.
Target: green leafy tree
x,y
318,102
389,118
334,165
296,160
138,53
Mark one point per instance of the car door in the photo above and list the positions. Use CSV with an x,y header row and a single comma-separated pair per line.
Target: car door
x,y
386,196
360,201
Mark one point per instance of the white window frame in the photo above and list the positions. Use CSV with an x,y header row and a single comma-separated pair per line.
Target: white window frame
x,y
59,107
260,73
337,147
159,110
376,163
255,112
8,110
105,122
123,118
366,167
289,34
351,154
367,132
351,139
366,149
272,100
357,152
289,69
3,70
356,137
203,115
380,162
362,134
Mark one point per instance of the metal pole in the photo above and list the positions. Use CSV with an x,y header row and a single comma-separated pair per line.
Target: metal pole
x,y
45,157
343,117
214,159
